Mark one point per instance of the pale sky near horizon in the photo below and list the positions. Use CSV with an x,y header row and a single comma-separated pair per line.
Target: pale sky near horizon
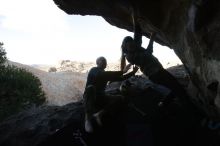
x,y
38,32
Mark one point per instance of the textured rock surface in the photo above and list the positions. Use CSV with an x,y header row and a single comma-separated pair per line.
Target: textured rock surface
x,y
34,126
190,27
173,124
59,125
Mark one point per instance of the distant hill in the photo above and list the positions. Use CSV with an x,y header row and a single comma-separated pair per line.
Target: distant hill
x,y
84,67
61,87
76,66
43,67
68,82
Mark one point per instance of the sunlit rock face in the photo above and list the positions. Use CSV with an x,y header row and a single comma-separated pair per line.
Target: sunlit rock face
x,y
190,27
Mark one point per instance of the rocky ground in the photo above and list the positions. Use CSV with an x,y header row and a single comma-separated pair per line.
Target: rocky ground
x,y
174,124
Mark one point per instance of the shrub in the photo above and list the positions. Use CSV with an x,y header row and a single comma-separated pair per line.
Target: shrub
x,y
2,54
52,69
19,90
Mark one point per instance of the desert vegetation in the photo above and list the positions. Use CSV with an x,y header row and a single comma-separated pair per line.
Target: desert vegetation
x,y
19,89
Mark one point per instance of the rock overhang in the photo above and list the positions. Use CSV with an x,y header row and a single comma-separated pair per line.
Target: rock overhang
x,y
190,27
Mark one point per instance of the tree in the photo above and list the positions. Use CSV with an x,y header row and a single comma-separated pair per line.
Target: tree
x,y
19,89
2,54
52,69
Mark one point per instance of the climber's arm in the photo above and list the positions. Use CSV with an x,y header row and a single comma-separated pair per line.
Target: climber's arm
x,y
151,42
137,29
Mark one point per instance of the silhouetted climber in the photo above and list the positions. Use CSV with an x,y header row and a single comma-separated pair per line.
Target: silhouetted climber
x,y
148,63
97,102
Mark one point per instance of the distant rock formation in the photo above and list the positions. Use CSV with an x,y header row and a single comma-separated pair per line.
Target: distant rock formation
x,y
81,67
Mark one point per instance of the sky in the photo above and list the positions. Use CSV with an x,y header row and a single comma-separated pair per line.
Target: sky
x,y
38,32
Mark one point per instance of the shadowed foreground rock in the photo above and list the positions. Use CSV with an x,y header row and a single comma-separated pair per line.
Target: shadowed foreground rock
x,y
33,126
174,124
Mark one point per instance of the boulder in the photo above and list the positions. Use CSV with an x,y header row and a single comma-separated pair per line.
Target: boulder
x,y
142,122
